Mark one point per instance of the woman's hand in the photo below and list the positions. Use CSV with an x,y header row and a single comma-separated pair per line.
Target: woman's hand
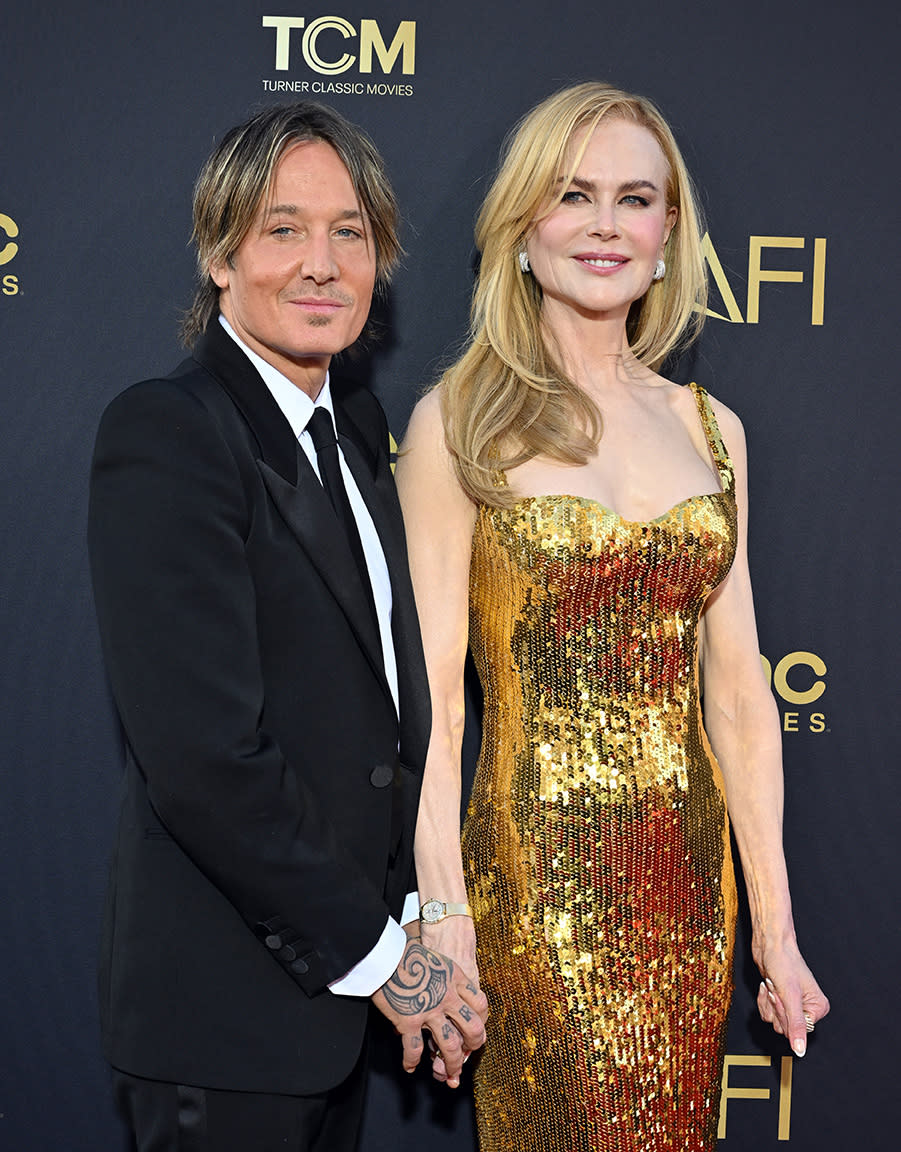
x,y
454,936
789,997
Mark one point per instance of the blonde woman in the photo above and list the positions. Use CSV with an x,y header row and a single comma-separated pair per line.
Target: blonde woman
x,y
580,522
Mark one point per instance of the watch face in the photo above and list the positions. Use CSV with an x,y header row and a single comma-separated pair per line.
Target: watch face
x,y
431,911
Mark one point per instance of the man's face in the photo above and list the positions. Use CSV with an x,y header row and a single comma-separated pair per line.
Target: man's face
x,y
299,286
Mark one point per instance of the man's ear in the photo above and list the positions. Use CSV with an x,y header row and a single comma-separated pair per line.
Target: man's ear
x,y
218,271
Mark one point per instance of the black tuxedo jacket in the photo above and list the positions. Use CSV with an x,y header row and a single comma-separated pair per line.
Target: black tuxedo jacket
x,y
270,787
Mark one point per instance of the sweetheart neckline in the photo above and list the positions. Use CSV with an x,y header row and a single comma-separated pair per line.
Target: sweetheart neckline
x,y
610,512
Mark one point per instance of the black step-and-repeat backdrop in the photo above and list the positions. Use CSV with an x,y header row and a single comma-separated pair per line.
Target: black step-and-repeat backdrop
x,y
788,116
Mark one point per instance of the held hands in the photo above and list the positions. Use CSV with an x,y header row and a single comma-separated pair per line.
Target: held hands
x,y
454,936
789,997
428,991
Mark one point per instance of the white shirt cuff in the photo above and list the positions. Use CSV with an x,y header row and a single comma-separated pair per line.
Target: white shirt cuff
x,y
377,966
411,908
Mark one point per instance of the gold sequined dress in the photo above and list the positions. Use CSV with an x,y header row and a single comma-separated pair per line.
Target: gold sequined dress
x,y
596,843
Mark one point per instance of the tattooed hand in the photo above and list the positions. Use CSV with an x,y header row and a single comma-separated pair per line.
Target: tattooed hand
x,y
428,991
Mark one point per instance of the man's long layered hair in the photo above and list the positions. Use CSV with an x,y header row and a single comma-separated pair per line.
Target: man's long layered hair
x,y
236,181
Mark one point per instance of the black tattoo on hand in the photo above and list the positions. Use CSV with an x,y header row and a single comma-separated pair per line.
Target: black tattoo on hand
x,y
420,981
465,1012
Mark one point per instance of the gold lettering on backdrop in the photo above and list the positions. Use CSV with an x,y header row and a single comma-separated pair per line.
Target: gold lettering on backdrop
x,y
727,1092
310,36
793,660
758,275
283,26
785,1098
779,681
719,278
819,281
402,45
11,228
404,39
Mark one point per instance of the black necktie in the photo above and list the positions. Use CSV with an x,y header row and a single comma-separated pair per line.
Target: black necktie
x,y
322,433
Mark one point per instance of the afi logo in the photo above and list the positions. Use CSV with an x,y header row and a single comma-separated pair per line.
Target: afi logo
x,y
758,274
330,58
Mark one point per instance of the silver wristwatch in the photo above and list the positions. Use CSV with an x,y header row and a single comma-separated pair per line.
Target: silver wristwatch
x,y
434,910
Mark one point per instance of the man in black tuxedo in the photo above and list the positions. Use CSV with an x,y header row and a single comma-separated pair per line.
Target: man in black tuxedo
x,y
262,644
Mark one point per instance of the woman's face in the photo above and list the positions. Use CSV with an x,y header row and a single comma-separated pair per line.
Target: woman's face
x,y
595,252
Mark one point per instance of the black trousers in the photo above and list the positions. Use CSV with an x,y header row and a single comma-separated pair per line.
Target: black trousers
x,y
167,1117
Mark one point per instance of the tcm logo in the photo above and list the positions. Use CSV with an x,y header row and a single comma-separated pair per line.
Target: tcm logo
x,y
9,230
798,679
330,57
758,274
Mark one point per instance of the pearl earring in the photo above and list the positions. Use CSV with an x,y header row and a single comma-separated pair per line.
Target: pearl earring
x,y
524,264
659,270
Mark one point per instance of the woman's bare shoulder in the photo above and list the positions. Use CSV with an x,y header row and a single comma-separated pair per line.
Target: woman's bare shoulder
x,y
426,421
729,423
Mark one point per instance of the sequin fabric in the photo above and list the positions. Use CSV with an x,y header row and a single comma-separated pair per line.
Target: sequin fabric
x,y
596,841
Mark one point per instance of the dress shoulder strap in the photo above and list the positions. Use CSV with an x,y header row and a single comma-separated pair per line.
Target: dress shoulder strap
x,y
714,438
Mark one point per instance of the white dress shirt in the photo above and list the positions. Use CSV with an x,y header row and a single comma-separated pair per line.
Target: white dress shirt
x,y
377,966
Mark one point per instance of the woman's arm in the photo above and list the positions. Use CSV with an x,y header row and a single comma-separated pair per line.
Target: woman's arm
x,y
742,722
439,519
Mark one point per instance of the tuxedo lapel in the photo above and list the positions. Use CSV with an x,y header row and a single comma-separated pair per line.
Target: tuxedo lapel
x,y
224,359
293,485
306,510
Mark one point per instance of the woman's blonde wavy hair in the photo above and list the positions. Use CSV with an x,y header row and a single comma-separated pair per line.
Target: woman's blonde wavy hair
x,y
507,399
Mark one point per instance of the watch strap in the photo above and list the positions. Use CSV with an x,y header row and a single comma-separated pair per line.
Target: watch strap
x,y
451,909
448,908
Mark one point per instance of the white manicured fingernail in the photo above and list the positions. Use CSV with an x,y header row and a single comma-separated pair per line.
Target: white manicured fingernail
x,y
799,1047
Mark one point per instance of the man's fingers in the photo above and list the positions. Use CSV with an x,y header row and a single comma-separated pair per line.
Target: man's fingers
x,y
470,991
470,1025
412,1049
476,999
471,1013
450,1048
